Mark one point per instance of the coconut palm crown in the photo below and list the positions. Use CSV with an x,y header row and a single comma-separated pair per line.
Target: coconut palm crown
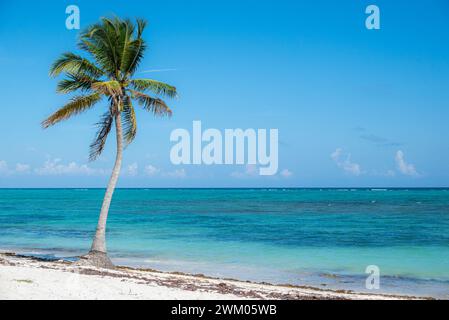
x,y
114,49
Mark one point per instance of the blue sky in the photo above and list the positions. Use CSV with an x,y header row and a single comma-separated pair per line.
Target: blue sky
x,y
354,107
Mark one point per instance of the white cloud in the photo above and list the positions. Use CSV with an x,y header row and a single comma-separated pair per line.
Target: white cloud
x,y
376,173
404,167
151,170
250,171
343,161
390,173
132,170
55,167
4,170
179,173
286,173
22,168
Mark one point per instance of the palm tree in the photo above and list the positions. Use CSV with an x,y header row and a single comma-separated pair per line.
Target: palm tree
x,y
115,48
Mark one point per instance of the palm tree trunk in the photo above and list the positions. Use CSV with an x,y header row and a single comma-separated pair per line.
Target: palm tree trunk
x,y
99,243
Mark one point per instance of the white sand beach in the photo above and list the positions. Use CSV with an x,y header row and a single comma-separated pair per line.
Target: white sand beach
x,y
28,278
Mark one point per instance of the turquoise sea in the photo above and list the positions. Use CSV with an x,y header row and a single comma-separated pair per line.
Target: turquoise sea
x,y
320,237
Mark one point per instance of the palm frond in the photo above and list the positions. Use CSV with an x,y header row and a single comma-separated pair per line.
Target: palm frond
x,y
157,87
133,56
75,82
116,45
141,24
75,106
104,127
74,64
116,48
129,120
154,105
126,35
135,49
109,88
100,41
100,53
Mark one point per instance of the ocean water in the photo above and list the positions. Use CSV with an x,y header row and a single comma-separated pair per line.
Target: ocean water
x,y
320,237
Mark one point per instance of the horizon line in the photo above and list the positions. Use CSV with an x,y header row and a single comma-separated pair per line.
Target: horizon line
x,y
224,188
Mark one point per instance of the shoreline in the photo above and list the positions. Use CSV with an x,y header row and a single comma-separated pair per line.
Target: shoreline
x,y
24,277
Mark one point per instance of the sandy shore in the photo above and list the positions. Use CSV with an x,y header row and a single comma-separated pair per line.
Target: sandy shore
x,y
26,278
